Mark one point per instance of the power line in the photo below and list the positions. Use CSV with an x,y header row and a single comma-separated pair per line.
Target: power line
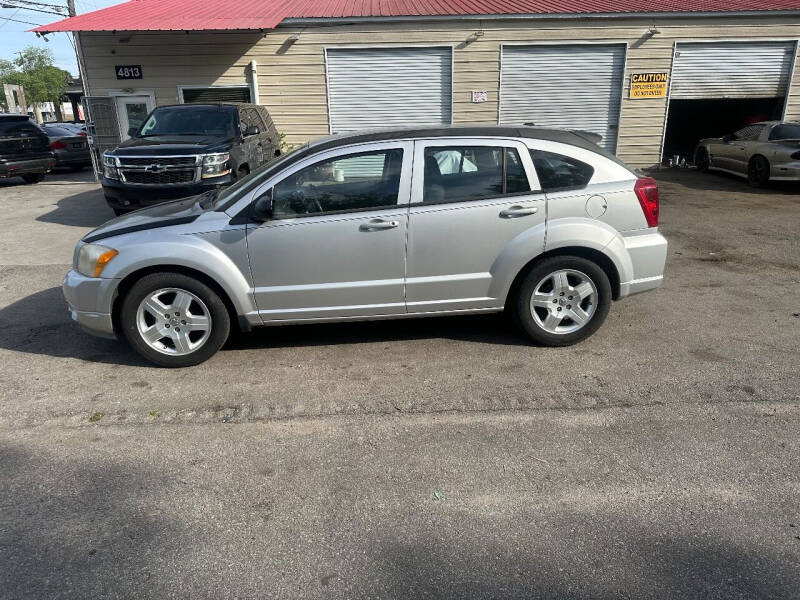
x,y
45,4
31,8
18,21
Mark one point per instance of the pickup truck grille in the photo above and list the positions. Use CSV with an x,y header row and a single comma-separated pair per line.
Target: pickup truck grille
x,y
162,178
167,161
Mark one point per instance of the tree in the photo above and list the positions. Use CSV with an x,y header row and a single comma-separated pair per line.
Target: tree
x,y
34,70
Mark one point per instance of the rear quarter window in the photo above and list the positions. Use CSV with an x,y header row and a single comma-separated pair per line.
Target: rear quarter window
x,y
560,172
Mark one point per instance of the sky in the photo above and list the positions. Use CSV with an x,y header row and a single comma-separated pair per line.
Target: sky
x,y
13,36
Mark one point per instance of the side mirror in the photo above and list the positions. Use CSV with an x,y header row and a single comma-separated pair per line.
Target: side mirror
x,y
132,131
262,208
251,130
728,138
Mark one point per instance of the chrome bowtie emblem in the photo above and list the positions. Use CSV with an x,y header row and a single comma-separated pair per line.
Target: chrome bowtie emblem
x,y
155,168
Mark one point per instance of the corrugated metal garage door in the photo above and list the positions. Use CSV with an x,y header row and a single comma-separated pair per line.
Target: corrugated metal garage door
x,y
574,87
384,87
732,70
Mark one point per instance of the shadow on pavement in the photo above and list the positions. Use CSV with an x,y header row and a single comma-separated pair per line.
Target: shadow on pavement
x,y
88,536
40,324
84,209
721,182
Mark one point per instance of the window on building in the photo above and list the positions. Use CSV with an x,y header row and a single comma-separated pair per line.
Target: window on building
x,y
462,173
557,171
195,95
350,182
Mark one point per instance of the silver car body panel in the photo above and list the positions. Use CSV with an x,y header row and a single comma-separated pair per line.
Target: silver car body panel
x,y
458,257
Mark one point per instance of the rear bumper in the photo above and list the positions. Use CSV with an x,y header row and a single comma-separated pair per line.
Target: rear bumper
x,y
129,196
648,254
30,166
89,301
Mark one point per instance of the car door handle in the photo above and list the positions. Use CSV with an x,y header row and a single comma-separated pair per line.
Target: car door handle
x,y
378,225
518,211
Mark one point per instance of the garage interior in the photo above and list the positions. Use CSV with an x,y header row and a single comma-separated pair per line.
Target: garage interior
x,y
719,87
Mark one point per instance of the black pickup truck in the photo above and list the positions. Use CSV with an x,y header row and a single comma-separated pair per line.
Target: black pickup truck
x,y
24,149
187,149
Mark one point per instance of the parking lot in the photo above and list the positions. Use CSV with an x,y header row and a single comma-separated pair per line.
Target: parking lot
x,y
439,457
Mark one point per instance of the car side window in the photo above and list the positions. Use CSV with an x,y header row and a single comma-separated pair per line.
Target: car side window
x,y
343,183
462,173
751,132
558,172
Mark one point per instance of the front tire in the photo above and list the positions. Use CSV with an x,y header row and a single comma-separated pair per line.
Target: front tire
x,y
174,320
563,300
758,172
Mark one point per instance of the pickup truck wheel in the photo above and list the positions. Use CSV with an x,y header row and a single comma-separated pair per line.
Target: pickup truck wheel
x,y
174,320
35,178
563,300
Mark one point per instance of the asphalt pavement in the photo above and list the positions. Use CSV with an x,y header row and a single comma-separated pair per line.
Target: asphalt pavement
x,y
442,458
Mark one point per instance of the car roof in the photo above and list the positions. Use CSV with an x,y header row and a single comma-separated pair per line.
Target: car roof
x,y
564,136
11,116
202,105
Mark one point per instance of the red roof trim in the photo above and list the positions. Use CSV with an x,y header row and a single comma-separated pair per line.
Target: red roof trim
x,y
171,15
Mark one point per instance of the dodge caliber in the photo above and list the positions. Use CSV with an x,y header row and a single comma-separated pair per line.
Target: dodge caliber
x,y
393,224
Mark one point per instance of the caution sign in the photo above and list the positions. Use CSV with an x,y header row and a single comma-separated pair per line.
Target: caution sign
x,y
648,85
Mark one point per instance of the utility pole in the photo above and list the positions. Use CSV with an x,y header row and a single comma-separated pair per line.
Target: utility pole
x,y
71,8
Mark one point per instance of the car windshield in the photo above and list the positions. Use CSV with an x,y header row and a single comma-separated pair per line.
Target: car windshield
x,y
244,185
18,128
785,132
216,121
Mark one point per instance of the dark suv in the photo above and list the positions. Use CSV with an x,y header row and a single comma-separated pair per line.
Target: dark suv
x,y
24,149
187,149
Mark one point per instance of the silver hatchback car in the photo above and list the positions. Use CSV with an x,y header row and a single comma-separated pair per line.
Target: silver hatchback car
x,y
401,223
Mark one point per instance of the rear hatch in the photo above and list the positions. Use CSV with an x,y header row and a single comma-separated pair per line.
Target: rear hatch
x,y
21,139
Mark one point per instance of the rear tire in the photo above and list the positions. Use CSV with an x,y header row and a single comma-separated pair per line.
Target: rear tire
x,y
35,178
149,321
758,172
563,300
701,160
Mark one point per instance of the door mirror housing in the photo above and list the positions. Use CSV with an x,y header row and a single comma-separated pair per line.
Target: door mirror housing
x,y
251,130
132,131
262,208
728,138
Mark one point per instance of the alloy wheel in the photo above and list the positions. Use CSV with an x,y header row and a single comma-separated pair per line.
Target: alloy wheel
x,y
564,301
173,321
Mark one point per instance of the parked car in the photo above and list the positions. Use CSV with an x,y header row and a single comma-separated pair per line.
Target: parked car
x,y
24,149
76,127
187,149
400,223
69,148
762,152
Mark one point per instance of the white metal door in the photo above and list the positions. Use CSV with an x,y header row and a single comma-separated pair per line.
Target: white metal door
x,y
384,87
575,86
712,70
131,112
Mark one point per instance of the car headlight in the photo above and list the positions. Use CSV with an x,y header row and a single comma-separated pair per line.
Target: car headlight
x,y
93,258
216,165
110,164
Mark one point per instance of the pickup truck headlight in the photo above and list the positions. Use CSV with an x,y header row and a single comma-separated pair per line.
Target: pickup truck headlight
x,y
93,258
216,165
110,166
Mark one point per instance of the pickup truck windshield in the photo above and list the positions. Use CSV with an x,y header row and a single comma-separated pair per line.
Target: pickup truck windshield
x,y
197,121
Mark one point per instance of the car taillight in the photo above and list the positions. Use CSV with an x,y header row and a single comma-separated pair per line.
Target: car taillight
x,y
646,190
83,133
58,145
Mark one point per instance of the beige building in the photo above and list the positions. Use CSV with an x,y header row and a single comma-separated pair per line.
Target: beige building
x,y
692,74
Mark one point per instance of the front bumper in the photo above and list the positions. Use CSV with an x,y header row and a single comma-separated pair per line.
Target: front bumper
x,y
31,166
130,196
90,300
648,255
